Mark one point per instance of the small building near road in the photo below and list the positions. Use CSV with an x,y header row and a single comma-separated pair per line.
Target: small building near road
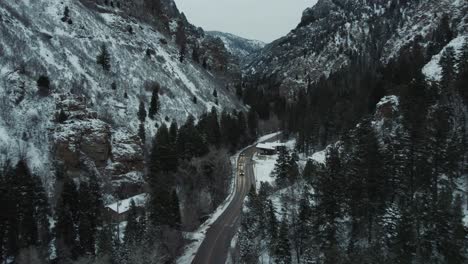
x,y
269,148
118,211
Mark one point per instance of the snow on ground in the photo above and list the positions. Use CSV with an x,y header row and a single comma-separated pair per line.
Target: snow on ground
x,y
124,205
319,156
432,70
263,167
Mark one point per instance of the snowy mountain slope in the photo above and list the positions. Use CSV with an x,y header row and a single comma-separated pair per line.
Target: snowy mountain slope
x,y
334,33
38,39
238,46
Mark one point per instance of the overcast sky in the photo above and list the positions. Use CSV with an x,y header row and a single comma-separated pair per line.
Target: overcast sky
x,y
264,20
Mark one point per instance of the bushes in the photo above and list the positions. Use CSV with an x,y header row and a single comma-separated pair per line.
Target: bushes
x,y
43,85
103,58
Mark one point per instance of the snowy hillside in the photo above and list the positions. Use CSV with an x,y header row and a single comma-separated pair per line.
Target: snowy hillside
x,y
61,40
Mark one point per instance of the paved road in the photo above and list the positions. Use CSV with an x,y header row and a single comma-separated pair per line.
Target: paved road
x,y
215,246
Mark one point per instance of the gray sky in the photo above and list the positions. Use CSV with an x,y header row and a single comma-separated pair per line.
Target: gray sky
x,y
264,20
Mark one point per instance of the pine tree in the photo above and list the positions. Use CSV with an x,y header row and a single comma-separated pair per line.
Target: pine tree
x,y
303,230
329,185
215,93
213,129
133,230
249,233
104,245
272,223
86,230
61,117
447,63
462,80
173,131
67,221
282,251
175,211
282,168
43,85
154,105
103,58
196,54
252,121
404,246
142,133
366,183
142,112
163,160
459,244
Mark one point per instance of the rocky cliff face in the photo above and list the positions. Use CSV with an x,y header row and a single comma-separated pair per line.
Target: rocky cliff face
x,y
335,33
60,41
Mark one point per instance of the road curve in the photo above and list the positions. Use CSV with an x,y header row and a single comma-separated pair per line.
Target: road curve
x,y
214,248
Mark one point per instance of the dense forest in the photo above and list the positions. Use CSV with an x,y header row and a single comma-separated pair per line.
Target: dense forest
x,y
391,188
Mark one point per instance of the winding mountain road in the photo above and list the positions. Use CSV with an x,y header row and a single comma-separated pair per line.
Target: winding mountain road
x,y
214,248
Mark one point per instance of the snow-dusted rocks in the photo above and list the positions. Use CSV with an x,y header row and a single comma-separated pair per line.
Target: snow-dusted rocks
x,y
127,153
81,134
387,107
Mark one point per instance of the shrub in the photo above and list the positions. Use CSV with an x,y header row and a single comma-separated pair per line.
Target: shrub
x,y
43,85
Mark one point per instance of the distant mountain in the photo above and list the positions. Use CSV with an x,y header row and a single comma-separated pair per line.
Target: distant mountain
x,y
240,47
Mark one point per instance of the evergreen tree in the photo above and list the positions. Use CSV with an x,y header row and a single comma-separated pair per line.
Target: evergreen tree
x,y
61,117
173,131
302,231
142,112
252,121
213,129
367,186
462,80
182,52
282,169
272,223
447,63
142,133
458,246
329,185
104,245
175,211
163,161
196,54
133,232
154,105
190,142
43,85
86,229
67,221
282,251
249,243
103,58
